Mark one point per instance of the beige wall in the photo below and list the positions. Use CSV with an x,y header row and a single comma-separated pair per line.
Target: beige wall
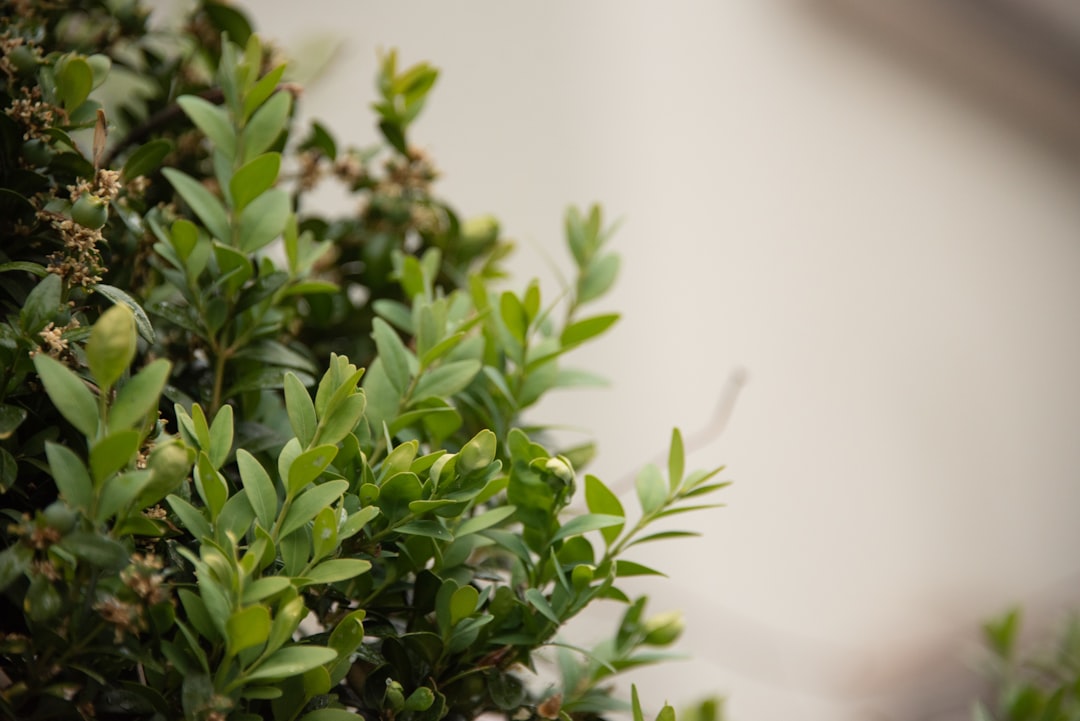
x,y
894,264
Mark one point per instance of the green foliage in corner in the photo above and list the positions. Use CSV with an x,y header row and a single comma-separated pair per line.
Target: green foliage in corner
x,y
256,463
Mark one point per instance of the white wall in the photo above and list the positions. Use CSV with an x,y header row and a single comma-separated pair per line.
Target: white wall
x,y
895,268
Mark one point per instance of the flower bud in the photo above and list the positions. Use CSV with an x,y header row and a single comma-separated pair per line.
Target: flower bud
x,y
111,347
663,629
477,453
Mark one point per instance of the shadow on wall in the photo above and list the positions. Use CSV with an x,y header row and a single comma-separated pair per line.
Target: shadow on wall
x,y
1017,61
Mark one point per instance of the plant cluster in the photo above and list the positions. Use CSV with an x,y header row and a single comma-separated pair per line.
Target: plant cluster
x,y
260,464
1031,687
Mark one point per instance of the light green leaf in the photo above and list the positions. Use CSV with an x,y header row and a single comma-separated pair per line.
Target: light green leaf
x,y
463,603
265,587
202,202
221,436
212,120
247,627
342,420
266,124
485,520
651,489
600,499
70,475
393,354
629,568
540,603
211,485
190,516
310,502
597,278
112,453
513,315
68,393
583,330
324,533
139,396
308,466
263,220
74,81
586,523
262,90
291,661
447,379
336,569
301,410
254,178
676,459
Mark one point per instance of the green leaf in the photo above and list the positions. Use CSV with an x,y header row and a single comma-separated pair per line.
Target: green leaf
x,y
212,120
74,81
308,466
324,533
393,354
120,491
201,201
262,90
211,485
629,568
397,493
429,529
329,714
113,452
139,396
485,520
342,420
247,628
221,436
586,523
447,379
11,417
99,550
583,330
263,220
254,178
540,603
662,536
676,459
40,305
72,479
600,499
513,315
265,587
336,569
146,158
651,489
117,296
310,502
190,516
597,278
266,124
301,410
68,393
291,661
463,603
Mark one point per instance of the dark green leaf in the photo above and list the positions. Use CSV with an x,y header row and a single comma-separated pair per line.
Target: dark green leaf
x,y
146,158
11,417
430,529
40,305
97,549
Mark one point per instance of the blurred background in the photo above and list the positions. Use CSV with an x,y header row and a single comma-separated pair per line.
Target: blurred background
x,y
854,226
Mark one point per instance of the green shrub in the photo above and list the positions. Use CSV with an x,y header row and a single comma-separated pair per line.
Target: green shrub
x,y
260,464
